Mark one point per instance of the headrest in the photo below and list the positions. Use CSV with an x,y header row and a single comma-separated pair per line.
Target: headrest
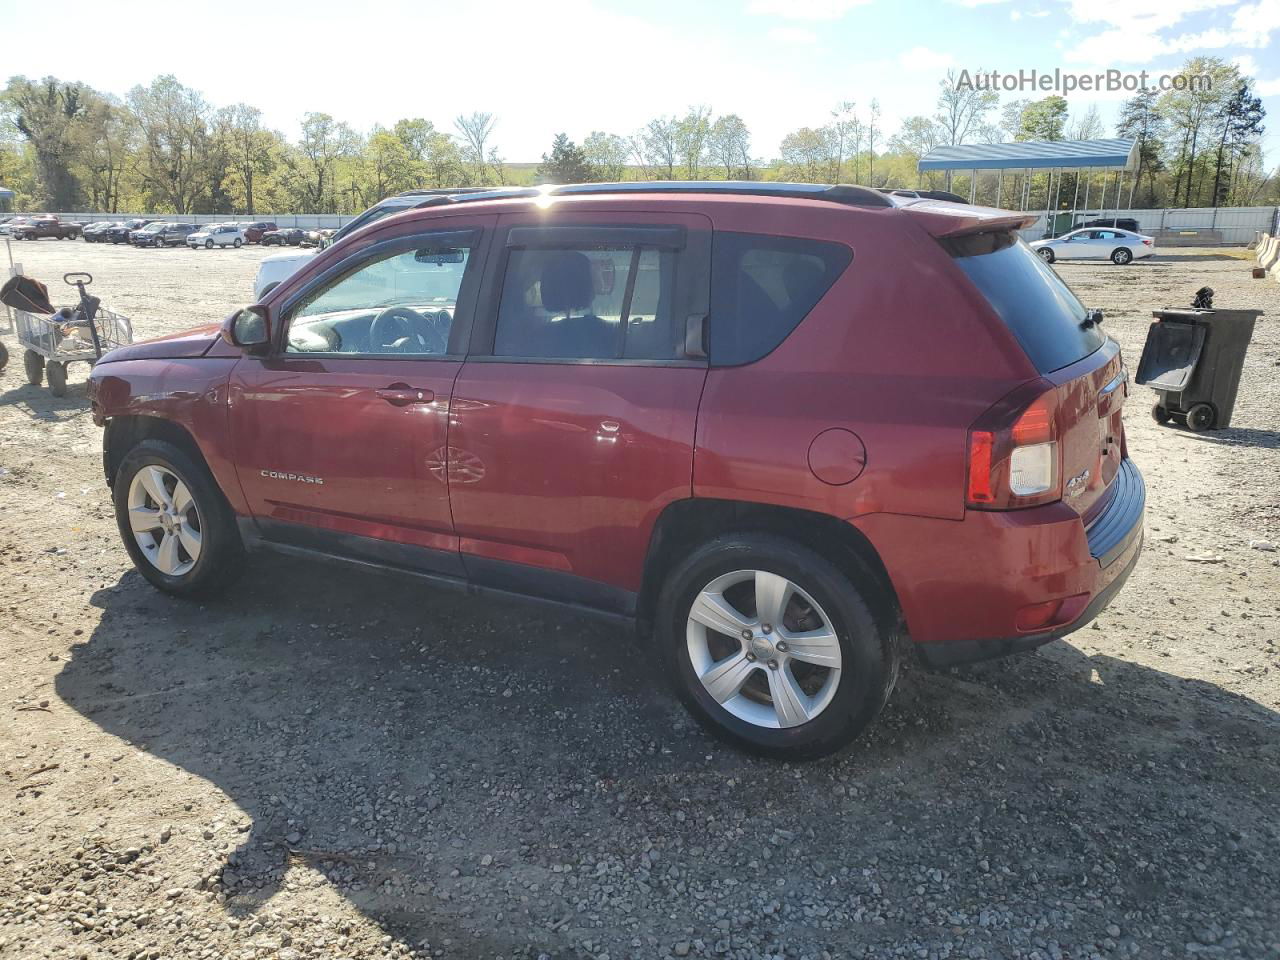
x,y
566,282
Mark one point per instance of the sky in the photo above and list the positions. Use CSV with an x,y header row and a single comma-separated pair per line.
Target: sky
x,y
582,65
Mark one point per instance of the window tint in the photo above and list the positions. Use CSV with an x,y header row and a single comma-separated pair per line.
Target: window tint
x,y
401,303
762,287
599,302
1029,296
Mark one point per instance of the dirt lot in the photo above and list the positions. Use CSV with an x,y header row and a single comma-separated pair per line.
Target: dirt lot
x,y
331,764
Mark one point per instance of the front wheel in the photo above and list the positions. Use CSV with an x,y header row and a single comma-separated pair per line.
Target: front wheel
x,y
1120,256
177,526
33,364
1200,417
772,647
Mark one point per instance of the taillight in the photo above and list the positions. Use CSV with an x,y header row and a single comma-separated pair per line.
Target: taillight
x,y
1146,243
1013,451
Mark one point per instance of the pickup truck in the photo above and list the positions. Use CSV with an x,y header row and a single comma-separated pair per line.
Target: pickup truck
x,y
41,227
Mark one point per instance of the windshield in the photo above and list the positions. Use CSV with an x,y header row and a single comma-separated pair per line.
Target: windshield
x,y
1029,296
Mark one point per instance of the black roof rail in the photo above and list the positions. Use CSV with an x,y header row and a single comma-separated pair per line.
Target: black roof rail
x,y
842,193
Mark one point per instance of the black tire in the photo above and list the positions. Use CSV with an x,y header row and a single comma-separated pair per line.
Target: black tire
x,y
33,363
1046,255
869,656
221,557
4,357
1200,417
237,243
208,244
1160,414
56,373
1121,256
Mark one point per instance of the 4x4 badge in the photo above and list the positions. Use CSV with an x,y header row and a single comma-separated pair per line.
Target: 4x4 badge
x,y
1077,483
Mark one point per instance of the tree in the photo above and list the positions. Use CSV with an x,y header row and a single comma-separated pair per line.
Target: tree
x,y
566,163
729,143
47,115
962,111
389,167
1141,121
871,141
1241,126
1044,119
658,143
312,166
1087,126
105,152
173,126
607,154
1010,124
475,130
807,154
691,134
438,160
1192,108
251,148
846,133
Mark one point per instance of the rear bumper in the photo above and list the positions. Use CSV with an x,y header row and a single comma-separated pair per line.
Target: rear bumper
x,y
966,587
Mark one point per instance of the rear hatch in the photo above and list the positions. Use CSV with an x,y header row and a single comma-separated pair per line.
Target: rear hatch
x,y
1077,362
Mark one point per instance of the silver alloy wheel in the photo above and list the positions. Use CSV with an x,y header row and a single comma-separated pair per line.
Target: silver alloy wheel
x,y
763,648
164,520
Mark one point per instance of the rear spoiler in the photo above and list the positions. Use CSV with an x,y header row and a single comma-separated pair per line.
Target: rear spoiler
x,y
945,220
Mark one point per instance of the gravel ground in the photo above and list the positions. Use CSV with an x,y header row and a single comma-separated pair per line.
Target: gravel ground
x,y
339,765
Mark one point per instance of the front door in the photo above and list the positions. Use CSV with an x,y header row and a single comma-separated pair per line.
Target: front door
x,y
340,433
573,417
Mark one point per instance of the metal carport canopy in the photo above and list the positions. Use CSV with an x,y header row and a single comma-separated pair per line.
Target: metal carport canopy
x,y
1034,155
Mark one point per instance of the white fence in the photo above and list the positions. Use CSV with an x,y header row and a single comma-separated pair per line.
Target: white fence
x,y
1201,226
311,221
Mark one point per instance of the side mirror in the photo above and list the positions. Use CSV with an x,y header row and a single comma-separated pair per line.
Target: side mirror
x,y
248,329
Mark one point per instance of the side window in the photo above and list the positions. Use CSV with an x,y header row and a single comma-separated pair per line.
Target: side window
x,y
762,287
400,303
589,302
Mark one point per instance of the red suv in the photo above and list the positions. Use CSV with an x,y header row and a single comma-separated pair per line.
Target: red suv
x,y
793,431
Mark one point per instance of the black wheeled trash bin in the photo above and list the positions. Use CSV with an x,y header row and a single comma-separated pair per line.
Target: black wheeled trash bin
x,y
1193,359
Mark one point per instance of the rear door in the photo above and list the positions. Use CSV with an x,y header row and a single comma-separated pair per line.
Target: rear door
x,y
572,425
1068,349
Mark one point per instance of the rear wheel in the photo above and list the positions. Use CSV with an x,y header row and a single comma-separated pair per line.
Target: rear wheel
x,y
33,364
1046,254
773,648
1121,255
236,243
178,528
208,244
57,374
1200,417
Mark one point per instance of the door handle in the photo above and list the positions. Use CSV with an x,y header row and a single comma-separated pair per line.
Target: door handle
x,y
401,395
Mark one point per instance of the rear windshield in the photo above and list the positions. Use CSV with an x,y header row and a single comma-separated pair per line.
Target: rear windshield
x,y
1029,297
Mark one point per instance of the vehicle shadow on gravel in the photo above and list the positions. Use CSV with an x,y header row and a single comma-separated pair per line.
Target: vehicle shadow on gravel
x,y
479,771
1239,437
39,404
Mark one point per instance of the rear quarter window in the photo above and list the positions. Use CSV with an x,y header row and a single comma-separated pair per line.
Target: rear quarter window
x,y
762,286
1036,304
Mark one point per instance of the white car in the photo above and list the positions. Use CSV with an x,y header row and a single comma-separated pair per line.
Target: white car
x,y
217,235
1096,243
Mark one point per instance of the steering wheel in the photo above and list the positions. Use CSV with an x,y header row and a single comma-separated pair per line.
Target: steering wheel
x,y
395,329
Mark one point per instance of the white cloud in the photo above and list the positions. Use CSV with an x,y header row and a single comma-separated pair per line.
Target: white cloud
x,y
924,60
1135,30
1268,88
1246,65
792,36
978,3
803,9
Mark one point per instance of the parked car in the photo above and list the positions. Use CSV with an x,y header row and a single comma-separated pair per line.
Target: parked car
x,y
170,235
284,236
7,228
1123,223
142,236
120,232
254,232
216,235
96,232
664,417
1118,246
40,228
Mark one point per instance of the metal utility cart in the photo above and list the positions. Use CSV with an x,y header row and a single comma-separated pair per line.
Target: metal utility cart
x,y
68,335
